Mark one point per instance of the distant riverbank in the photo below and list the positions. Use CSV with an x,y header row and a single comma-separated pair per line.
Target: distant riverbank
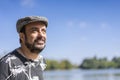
x,y
100,63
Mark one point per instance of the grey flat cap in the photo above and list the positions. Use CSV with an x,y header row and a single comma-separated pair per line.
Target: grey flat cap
x,y
29,19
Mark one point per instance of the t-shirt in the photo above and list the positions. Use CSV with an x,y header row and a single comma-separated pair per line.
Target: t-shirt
x,y
15,66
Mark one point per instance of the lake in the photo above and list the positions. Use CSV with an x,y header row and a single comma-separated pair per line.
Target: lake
x,y
78,74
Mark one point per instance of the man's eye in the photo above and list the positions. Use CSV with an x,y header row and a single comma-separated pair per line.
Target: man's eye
x,y
44,31
33,30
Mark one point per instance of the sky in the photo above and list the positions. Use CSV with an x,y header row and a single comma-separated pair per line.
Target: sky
x,y
77,29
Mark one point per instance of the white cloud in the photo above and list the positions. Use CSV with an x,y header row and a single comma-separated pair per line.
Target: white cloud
x,y
28,3
104,25
83,24
80,24
70,23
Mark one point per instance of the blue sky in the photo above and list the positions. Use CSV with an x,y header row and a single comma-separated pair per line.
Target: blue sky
x,y
77,28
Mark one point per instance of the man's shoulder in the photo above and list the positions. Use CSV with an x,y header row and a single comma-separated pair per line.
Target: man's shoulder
x,y
8,56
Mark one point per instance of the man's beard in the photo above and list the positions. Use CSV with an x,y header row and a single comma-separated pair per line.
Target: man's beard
x,y
32,46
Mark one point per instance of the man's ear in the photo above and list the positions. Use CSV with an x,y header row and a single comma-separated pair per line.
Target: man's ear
x,y
21,35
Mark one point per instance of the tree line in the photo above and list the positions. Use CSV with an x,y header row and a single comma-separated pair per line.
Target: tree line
x,y
62,64
87,63
100,63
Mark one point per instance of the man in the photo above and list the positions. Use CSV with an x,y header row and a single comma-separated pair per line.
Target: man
x,y
25,63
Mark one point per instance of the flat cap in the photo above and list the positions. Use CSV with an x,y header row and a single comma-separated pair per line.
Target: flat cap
x,y
29,19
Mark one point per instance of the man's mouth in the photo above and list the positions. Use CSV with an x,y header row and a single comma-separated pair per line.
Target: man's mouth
x,y
40,42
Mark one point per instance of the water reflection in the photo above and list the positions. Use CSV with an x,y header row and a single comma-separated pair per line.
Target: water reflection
x,y
108,74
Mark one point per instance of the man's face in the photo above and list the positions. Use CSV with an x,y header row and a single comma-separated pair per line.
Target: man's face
x,y
35,36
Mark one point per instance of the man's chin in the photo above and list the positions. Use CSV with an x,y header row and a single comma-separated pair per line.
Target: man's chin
x,y
37,49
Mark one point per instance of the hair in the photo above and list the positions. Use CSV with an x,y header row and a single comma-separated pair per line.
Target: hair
x,y
22,31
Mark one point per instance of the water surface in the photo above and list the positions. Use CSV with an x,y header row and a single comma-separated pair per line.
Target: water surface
x,y
78,74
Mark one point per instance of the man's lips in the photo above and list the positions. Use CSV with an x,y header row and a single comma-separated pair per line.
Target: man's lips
x,y
40,42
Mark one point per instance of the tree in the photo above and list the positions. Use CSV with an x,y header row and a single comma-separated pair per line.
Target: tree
x,y
65,64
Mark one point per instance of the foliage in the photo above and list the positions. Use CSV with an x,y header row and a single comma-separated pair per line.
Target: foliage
x,y
65,64
102,63
54,64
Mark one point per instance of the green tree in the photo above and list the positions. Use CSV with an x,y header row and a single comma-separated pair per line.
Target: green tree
x,y
65,64
52,64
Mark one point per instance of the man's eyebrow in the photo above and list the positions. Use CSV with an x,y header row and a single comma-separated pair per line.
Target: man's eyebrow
x,y
33,28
